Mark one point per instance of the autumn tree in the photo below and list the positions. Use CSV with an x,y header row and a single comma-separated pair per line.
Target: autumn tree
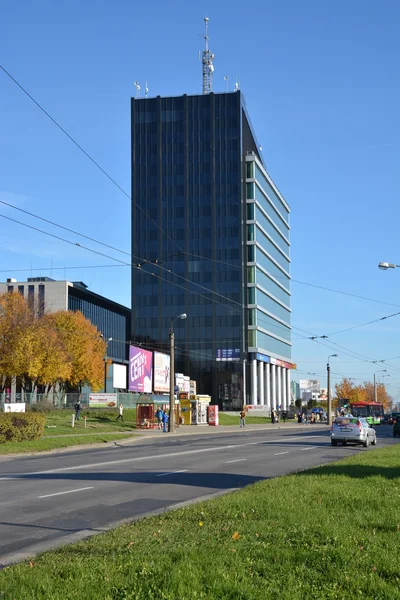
x,y
16,321
362,393
84,347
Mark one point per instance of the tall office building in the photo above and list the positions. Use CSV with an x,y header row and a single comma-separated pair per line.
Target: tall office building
x,y
210,232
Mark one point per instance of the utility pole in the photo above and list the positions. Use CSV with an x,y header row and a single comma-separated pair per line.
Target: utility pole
x,y
171,421
328,368
374,387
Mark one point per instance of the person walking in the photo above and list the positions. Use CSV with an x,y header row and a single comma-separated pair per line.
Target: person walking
x,y
78,409
159,415
121,412
165,421
284,416
242,417
273,416
299,417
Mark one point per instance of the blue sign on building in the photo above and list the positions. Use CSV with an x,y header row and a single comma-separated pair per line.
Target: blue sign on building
x,y
224,354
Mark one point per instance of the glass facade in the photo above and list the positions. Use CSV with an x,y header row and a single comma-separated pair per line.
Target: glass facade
x,y
111,319
189,174
270,291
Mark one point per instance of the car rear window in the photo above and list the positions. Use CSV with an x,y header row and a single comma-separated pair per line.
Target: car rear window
x,y
343,422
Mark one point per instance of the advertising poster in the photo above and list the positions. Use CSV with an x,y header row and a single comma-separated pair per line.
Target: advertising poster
x,y
162,371
140,370
186,384
102,400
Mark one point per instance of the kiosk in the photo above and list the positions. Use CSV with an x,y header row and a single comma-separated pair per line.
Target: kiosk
x,y
199,409
147,406
186,408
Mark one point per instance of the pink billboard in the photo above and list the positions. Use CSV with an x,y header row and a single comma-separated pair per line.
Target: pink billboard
x,y
140,370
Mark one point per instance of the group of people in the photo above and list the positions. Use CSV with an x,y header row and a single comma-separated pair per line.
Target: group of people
x,y
306,418
162,419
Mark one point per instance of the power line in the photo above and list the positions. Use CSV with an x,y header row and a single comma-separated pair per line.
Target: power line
x,y
87,155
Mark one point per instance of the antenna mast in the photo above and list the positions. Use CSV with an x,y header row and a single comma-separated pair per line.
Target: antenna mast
x,y
207,63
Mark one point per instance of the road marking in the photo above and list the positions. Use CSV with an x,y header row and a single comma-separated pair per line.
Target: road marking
x,y
122,461
68,492
228,462
279,453
171,473
308,448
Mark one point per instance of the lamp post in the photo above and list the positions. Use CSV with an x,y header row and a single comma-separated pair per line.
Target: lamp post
x,y
171,421
328,370
385,266
105,362
381,371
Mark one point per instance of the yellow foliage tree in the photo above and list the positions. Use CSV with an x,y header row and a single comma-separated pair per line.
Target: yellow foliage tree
x,y
84,347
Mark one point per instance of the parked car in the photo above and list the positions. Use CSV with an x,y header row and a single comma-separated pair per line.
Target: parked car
x,y
387,420
353,430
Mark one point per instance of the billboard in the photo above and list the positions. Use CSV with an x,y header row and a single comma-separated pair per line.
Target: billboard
x,y
140,370
119,376
103,400
228,354
310,385
162,372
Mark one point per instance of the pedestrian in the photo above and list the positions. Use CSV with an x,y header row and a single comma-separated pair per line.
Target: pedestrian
x,y
299,417
284,416
159,415
165,421
78,409
312,418
242,417
272,416
121,412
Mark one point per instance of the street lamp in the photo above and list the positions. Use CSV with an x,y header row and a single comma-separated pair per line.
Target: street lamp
x,y
171,421
105,362
381,371
328,370
385,266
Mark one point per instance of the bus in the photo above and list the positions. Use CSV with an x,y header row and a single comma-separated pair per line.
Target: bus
x,y
372,411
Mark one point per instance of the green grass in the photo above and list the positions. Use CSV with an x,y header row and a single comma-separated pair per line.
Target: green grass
x,y
225,419
97,421
58,442
327,533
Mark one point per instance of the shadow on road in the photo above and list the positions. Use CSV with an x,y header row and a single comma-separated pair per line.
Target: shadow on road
x,y
221,481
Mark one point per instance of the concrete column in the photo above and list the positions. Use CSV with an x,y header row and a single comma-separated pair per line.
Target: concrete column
x,y
261,383
254,382
284,395
273,386
288,388
278,387
267,381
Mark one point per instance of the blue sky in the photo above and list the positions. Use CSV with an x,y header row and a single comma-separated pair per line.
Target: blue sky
x,y
322,88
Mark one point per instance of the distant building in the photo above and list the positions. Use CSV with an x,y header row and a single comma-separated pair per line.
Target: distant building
x,y
113,320
295,390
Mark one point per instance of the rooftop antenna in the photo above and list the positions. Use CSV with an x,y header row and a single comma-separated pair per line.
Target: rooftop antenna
x,y
237,85
146,90
226,79
137,86
207,59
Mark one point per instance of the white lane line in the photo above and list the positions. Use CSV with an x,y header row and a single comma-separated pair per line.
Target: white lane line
x,y
308,448
171,473
68,492
228,462
279,453
122,461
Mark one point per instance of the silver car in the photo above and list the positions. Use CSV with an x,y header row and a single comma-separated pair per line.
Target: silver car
x,y
354,430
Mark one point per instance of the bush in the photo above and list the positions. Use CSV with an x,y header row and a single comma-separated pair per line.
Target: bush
x,y
17,427
43,406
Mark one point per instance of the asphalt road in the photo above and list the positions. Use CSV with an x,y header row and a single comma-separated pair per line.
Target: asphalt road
x,y
50,500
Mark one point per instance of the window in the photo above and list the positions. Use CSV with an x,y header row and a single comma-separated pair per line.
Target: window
x,y
251,278
21,289
250,170
10,289
252,338
252,316
250,211
250,233
251,295
251,253
250,191
41,299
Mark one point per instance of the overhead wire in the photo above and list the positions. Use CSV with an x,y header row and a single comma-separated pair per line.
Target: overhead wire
x,y
87,155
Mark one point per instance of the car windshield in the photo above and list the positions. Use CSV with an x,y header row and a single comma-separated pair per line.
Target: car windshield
x,y
343,422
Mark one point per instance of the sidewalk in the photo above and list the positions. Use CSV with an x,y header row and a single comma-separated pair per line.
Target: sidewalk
x,y
207,429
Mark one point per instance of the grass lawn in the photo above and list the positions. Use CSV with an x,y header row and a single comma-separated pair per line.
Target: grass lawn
x,y
57,442
97,421
327,533
225,419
